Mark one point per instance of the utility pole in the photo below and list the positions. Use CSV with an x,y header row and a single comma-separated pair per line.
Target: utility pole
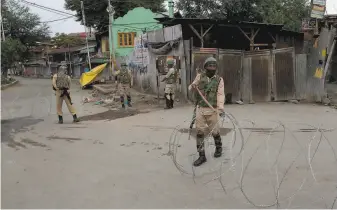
x,y
48,60
171,8
86,34
111,48
71,70
2,29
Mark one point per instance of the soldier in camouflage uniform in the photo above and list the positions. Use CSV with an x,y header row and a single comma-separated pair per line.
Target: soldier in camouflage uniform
x,y
212,88
125,81
170,87
61,85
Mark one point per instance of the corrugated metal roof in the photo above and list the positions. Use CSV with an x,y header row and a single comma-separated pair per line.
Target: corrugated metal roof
x,y
71,49
224,22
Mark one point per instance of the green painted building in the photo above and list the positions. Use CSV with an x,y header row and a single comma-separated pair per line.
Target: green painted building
x,y
135,22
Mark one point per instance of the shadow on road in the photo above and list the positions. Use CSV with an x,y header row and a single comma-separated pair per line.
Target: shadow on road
x,y
112,115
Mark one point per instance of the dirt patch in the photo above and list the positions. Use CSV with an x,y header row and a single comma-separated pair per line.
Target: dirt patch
x,y
141,103
11,127
271,130
33,143
16,145
68,139
112,115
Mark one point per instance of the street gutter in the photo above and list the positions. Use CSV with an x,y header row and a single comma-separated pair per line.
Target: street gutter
x,y
3,87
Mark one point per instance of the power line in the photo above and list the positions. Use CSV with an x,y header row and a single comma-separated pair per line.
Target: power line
x,y
86,7
50,21
46,8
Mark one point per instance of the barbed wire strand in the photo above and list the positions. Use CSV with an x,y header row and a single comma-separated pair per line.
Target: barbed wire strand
x,y
244,167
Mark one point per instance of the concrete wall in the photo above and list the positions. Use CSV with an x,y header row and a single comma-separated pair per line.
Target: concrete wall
x,y
315,85
146,77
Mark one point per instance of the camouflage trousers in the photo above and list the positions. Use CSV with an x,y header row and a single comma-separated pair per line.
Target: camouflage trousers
x,y
206,122
170,90
124,90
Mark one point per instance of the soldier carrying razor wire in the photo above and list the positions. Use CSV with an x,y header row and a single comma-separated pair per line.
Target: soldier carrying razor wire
x,y
211,87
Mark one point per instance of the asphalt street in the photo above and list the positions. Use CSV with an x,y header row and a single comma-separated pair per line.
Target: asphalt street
x,y
127,162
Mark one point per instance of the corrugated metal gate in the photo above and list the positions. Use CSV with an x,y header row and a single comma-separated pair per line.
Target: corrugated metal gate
x,y
284,74
301,76
259,66
230,66
254,76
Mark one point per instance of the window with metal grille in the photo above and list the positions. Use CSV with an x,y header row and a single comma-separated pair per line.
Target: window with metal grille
x,y
126,39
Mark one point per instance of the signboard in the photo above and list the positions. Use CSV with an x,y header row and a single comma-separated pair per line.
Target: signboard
x,y
319,2
140,55
308,24
318,9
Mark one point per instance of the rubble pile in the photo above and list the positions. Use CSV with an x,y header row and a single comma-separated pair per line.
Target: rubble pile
x,y
112,99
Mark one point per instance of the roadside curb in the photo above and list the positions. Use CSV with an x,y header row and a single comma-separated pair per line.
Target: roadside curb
x,y
3,87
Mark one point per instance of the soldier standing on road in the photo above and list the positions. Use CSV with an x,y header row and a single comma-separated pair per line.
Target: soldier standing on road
x,y
125,82
61,85
170,87
212,88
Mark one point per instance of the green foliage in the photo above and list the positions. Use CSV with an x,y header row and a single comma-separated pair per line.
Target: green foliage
x,y
21,24
12,51
230,9
22,29
287,12
96,14
63,40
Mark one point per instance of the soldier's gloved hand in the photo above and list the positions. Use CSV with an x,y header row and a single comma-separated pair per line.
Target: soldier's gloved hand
x,y
192,87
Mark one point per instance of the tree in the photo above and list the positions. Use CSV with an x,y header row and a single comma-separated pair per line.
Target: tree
x,y
20,23
22,29
96,14
63,40
287,12
244,10
12,51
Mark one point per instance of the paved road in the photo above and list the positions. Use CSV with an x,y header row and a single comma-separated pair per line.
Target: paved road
x,y
124,163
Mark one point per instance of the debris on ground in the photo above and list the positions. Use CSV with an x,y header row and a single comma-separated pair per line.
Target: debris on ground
x,y
294,101
141,103
239,102
90,99
326,101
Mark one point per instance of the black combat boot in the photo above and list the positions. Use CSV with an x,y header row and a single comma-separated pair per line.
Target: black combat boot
x,y
168,102
129,101
171,101
202,159
202,156
218,146
60,119
75,119
122,102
